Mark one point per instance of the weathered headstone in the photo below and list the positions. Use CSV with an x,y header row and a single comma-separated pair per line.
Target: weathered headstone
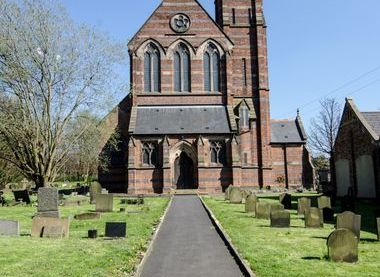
x,y
378,228
342,246
95,188
236,196
350,221
47,202
324,202
87,216
276,207
9,228
286,200
227,193
245,194
262,210
304,205
55,232
116,229
250,203
39,223
21,196
328,215
104,202
280,219
314,218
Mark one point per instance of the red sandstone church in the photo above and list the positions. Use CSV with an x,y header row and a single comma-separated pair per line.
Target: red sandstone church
x,y
198,116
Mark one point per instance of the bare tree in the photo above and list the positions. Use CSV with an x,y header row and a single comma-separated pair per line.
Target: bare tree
x,y
324,130
50,71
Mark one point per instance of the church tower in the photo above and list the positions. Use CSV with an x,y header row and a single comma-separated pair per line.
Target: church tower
x,y
247,77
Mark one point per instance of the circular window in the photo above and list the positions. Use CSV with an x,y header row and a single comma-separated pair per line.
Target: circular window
x,y
180,23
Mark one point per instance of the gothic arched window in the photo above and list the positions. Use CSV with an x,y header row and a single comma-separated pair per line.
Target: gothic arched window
x,y
211,68
182,69
218,152
149,154
244,117
152,68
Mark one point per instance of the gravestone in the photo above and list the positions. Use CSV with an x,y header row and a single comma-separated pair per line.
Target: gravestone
x,y
324,202
92,234
342,246
104,202
250,203
262,210
245,194
280,219
350,221
21,196
9,228
378,228
40,223
55,232
304,205
236,195
116,229
328,215
276,207
227,192
47,202
87,216
314,218
286,200
95,188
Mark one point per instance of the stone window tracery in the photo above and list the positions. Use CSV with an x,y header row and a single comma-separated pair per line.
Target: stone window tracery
x,y
149,154
218,152
152,69
182,81
211,66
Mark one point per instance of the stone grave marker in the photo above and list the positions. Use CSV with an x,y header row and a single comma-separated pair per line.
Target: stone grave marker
x,y
92,234
227,192
236,195
314,218
104,202
262,210
350,221
280,219
286,200
47,202
21,196
245,193
9,228
250,203
39,224
328,215
276,207
304,204
378,228
53,232
87,216
95,188
342,246
116,229
324,202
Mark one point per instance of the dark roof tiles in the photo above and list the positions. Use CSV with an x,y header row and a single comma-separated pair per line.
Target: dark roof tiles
x,y
373,119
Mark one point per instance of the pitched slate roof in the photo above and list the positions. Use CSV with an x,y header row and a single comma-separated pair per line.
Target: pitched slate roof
x,y
287,131
167,120
373,119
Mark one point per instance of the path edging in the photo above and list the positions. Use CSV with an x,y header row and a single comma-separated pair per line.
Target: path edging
x,y
242,263
151,242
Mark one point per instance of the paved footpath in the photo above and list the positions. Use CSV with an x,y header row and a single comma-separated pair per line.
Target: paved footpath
x,y
188,245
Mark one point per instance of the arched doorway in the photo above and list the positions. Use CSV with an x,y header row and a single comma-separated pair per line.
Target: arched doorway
x,y
184,172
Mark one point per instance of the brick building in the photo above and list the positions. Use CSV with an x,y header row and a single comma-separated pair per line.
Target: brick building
x,y
357,153
198,114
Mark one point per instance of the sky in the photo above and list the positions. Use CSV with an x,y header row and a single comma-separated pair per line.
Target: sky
x,y
316,48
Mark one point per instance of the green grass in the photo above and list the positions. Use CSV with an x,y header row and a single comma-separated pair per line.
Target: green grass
x,y
294,251
77,255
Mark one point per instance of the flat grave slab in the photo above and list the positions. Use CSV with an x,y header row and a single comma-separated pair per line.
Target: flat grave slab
x,y
9,228
116,229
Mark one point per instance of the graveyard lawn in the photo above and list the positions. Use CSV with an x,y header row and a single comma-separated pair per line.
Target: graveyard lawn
x,y
293,251
78,255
